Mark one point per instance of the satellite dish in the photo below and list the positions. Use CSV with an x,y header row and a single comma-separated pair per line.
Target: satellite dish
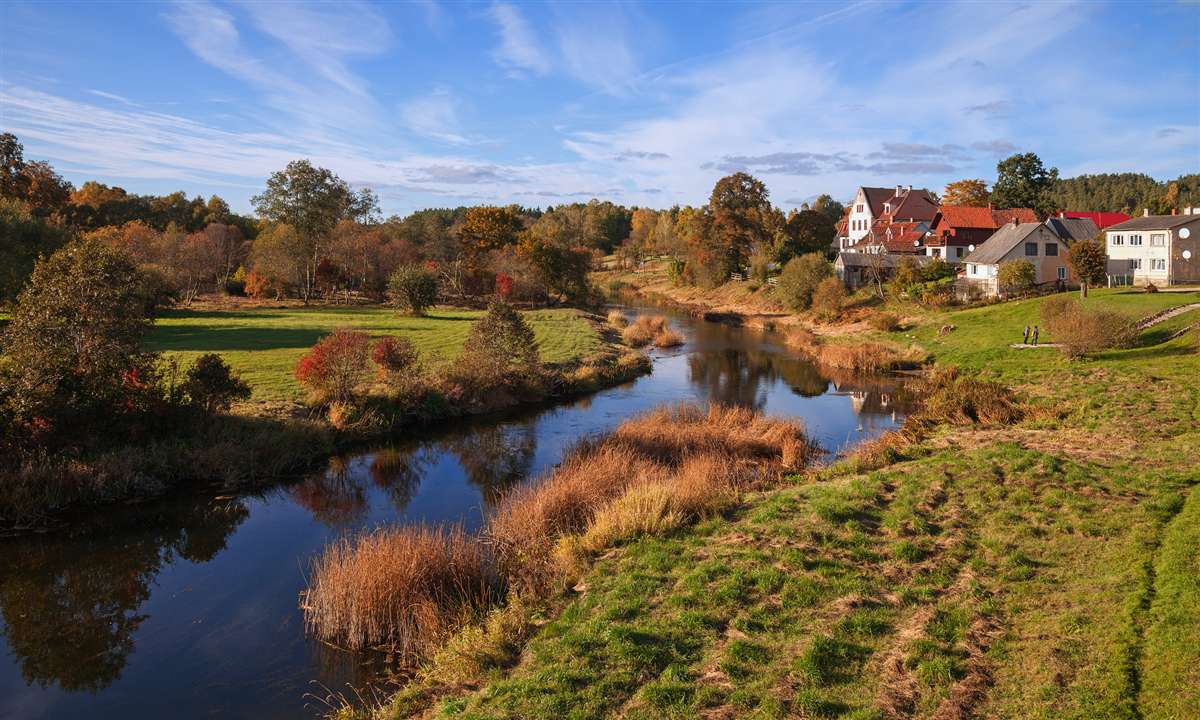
x,y
970,248
1187,254
1185,233
916,243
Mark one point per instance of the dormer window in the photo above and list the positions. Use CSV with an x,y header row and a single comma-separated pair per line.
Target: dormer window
x,y
887,208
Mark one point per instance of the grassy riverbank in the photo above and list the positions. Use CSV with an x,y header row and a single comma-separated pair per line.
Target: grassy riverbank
x,y
1044,568
274,435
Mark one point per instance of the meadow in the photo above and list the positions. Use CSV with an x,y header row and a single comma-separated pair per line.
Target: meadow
x,y
1039,569
263,345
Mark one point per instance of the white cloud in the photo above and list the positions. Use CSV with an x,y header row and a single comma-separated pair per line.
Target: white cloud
x,y
434,116
596,47
519,50
111,96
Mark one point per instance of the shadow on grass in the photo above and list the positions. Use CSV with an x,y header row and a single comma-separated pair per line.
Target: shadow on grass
x,y
167,337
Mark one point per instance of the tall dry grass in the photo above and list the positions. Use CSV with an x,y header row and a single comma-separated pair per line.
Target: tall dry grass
x,y
860,356
667,338
405,588
641,331
617,319
409,588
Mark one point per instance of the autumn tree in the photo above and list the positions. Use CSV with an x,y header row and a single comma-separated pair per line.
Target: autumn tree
x,y
971,193
279,259
553,246
1022,181
23,238
311,200
414,288
829,207
806,231
740,216
1090,263
487,228
1016,276
35,182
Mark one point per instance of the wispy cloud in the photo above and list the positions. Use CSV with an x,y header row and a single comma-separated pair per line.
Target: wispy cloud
x,y
434,116
596,45
112,96
519,50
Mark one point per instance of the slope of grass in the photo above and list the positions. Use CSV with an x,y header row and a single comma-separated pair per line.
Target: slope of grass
x,y
264,344
1043,570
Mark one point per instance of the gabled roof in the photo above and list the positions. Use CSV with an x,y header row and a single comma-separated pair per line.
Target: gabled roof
x,y
1154,222
1002,242
902,236
887,260
953,217
1102,219
913,205
876,197
1071,230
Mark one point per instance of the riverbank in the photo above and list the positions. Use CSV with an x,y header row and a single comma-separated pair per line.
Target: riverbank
x,y
275,436
991,564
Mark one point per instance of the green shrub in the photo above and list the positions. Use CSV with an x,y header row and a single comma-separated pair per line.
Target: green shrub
x,y
829,298
799,280
1016,276
414,288
212,386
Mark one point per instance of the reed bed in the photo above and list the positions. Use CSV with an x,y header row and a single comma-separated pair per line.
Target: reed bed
x,y
409,588
643,330
667,338
617,319
405,588
862,356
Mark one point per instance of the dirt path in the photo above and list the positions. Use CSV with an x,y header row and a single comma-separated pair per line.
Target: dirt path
x,y
1165,315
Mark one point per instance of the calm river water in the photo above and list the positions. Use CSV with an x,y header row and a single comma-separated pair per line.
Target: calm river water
x,y
187,608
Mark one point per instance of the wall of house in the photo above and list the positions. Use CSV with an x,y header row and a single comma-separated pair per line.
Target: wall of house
x,y
860,220
1185,271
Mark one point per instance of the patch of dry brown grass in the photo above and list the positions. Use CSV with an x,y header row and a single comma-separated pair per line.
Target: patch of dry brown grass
x,y
405,588
641,332
617,319
667,338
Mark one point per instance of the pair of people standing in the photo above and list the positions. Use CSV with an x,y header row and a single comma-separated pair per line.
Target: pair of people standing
x,y
1025,339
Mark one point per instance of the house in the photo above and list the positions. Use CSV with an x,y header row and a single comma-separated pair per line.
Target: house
x,y
1159,249
956,229
1102,219
904,237
1072,230
856,269
871,203
1038,243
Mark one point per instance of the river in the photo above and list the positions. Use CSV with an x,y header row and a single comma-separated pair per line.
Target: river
x,y
187,608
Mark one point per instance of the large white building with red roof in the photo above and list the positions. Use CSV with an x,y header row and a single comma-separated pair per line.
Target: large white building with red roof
x,y
872,205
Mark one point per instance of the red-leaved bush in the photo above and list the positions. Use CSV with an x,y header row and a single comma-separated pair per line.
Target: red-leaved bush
x,y
336,366
394,355
504,285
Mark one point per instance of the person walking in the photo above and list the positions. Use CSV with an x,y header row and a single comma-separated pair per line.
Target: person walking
x,y
1025,337
1035,334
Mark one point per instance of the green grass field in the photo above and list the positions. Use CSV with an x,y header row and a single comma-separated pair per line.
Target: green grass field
x,y
1043,570
264,344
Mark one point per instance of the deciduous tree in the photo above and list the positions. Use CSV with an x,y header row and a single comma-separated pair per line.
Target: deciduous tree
x,y
972,193
1090,263
1022,181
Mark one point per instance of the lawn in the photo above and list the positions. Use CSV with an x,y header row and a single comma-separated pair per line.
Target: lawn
x,y
1043,570
264,344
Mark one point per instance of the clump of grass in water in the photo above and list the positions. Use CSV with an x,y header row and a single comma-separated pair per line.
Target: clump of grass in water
x,y
617,319
642,331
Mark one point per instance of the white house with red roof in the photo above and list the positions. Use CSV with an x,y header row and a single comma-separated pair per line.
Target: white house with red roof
x,y
871,204
957,229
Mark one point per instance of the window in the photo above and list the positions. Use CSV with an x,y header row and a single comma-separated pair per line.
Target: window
x,y
1062,273
1158,240
970,268
958,252
1117,239
935,252
858,208
1135,264
1135,239
1051,249
992,270
1031,249
1158,263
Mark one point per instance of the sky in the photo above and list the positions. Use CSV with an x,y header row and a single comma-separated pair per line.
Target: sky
x,y
443,104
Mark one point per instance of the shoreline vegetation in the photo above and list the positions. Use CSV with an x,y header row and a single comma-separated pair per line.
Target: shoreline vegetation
x,y
273,441
901,580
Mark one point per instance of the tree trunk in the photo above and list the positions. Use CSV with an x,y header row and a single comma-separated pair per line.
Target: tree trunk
x,y
1083,289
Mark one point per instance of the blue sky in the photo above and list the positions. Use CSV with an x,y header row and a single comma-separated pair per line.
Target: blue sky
x,y
440,104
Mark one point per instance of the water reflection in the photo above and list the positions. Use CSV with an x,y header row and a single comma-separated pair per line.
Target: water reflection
x,y
72,623
74,609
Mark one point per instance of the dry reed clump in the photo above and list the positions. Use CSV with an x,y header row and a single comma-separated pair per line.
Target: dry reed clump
x,y
884,322
667,338
641,331
865,356
404,588
617,319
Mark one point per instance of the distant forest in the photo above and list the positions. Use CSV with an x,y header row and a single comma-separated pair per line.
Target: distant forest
x,y
1126,192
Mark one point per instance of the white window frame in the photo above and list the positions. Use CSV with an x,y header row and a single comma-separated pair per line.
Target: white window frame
x,y
1135,263
1158,239
1135,240
1117,239
1062,272
1158,264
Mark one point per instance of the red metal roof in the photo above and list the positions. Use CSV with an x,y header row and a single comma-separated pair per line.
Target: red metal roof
x,y
1102,219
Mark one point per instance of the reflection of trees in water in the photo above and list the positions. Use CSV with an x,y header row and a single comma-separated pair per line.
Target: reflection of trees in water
x,y
70,605
335,497
494,458
398,473
741,375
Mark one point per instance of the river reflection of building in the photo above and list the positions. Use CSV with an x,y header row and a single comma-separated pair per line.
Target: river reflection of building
x,y
876,401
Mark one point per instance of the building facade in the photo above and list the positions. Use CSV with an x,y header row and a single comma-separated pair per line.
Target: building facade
x,y
1158,249
1035,243
873,204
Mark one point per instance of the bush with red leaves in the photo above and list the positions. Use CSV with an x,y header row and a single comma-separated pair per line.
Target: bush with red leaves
x,y
336,366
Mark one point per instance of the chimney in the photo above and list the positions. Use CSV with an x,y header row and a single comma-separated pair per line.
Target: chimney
x,y
910,188
1015,222
1146,212
1174,211
1062,213
899,189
